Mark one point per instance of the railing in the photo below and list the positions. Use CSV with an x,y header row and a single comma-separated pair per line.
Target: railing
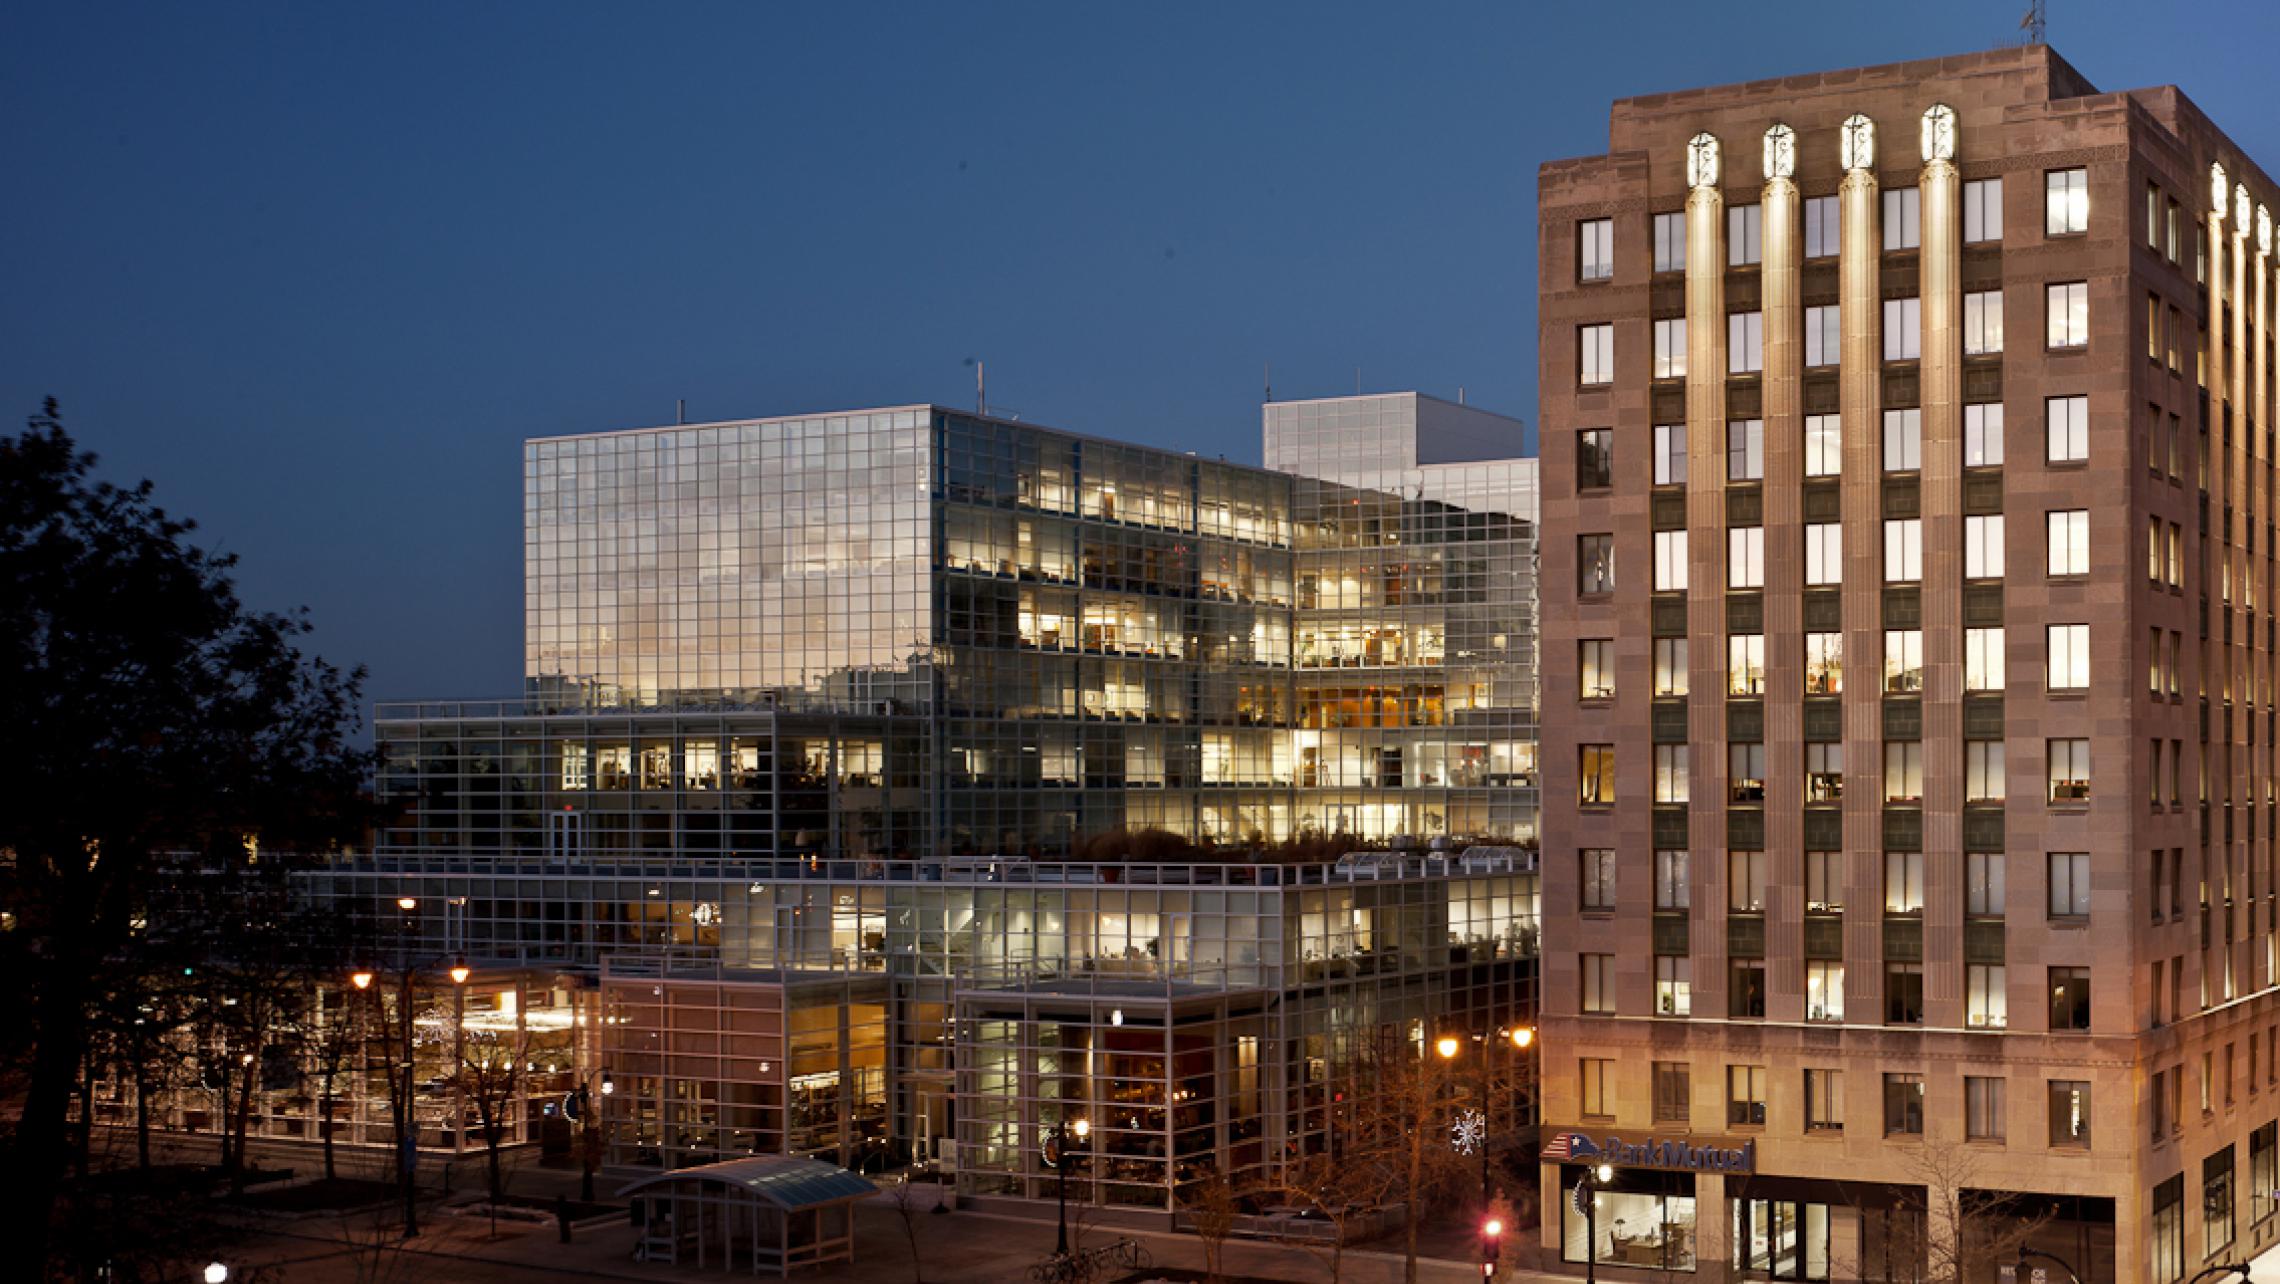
x,y
1367,867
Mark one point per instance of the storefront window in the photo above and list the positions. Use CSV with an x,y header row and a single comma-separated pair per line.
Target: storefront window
x,y
1787,1239
1646,1220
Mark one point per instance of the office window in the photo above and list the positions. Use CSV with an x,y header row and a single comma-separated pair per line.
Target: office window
x,y
1594,459
2070,998
1670,242
1595,249
2153,554
1670,666
1745,664
1674,1092
1673,885
1983,435
1982,323
2066,429
1595,664
1670,348
2152,327
1670,454
1745,557
1745,450
1595,347
1598,783
1824,553
1982,1108
1983,887
2066,650
1903,1105
1903,661
1983,547
1823,339
1903,994
1824,445
1670,561
1903,218
2169,1231
1824,1101
1596,877
1595,564
2066,202
2169,232
2068,541
1599,983
1745,772
1597,1075
2070,1113
2069,884
1745,990
1982,211
1824,774
1674,985
1745,1096
2216,1176
1903,771
2153,216
1745,882
1671,775
1986,1003
1903,440
1824,991
1903,550
1903,882
1824,663
1744,236
1903,329
1983,771
1745,342
1821,230
2174,667
1983,659
2069,770
2067,307
1825,879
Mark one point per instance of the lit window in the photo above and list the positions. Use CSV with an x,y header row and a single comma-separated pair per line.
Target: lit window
x,y
1903,771
1670,348
1596,667
1824,991
1598,984
2068,541
2068,655
1745,557
1596,1074
2066,202
1983,659
1824,663
1674,985
1670,561
1903,218
1671,778
1595,564
1824,445
1903,882
1983,435
1745,1096
1824,1095
1903,661
1745,664
2070,1130
1824,882
1824,553
2069,769
1598,775
2069,315
1982,211
1745,773
1595,346
1986,1002
1982,323
2066,429
1983,771
1595,249
1983,547
2069,998
1824,773
1903,550
1670,666
1903,329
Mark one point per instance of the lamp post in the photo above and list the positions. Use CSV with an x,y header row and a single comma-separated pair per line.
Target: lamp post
x,y
1587,1203
1491,1242
404,1089
1447,1046
1083,1129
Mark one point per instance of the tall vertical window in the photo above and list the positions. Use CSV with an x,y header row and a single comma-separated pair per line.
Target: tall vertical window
x,y
1824,342
1983,771
1673,880
1745,989
1983,435
1745,882
2069,884
2067,657
1983,883
2067,307
1821,228
1982,1108
1594,458
1745,449
1903,218
2069,769
1670,666
1674,1092
2216,1170
1745,773
1745,342
1595,249
1745,664
1824,991
1595,563
1670,454
2168,1234
1903,771
1671,775
1824,445
2069,998
2068,541
1986,1002
1824,663
1595,355
1597,1077
1597,778
1903,661
2066,429
1824,1101
1824,779
1599,983
2066,202
1595,665
1745,1096
1674,985
1596,874
1670,348
1670,242
1982,323
2070,1118
1903,329
1903,550
1824,553
1903,994
1903,440
1983,547
1825,881
1745,557
1982,211
1983,661
2153,216
1903,882
1743,232
1670,561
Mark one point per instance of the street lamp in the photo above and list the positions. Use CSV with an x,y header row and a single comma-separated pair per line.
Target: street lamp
x,y
1446,1045
459,972
1524,1037
1060,1146
1587,1203
216,1273
1491,1242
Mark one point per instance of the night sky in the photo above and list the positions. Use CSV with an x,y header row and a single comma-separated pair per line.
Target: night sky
x,y
317,269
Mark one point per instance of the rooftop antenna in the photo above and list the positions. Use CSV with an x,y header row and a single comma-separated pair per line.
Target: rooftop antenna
x,y
1267,377
1460,394
2036,23
680,410
981,388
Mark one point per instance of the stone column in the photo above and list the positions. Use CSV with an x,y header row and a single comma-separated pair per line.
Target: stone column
x,y
2216,856
1860,396
1781,407
1706,576
2237,541
1713,1229
2255,972
1940,490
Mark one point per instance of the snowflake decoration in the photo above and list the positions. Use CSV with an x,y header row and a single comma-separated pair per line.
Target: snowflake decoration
x,y
1468,1131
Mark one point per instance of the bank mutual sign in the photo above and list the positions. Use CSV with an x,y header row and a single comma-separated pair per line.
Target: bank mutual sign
x,y
1678,1154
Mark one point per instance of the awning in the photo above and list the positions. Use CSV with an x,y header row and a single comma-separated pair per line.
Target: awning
x,y
787,1181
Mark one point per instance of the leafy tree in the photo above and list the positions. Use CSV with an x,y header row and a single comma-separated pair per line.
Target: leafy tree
x,y
155,721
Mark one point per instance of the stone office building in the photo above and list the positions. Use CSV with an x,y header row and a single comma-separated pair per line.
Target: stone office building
x,y
1908,669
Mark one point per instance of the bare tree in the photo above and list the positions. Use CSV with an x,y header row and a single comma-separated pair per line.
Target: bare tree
x,y
490,1078
1947,1228
1212,1207
904,1200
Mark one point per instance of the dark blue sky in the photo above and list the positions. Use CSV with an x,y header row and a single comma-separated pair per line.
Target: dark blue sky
x,y
318,269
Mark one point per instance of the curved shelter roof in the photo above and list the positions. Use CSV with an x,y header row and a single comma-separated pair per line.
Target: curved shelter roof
x,y
787,1181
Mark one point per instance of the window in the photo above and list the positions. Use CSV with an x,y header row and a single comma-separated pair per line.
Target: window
x,y
1674,985
1903,771
2067,650
1824,553
1824,991
1745,772
1670,561
1982,323
2153,557
1745,882
1670,454
1596,666
1824,445
1595,249
1983,883
1903,440
1903,329
1983,435
1903,1105
1595,345
1903,218
1595,564
1903,994
1598,983
1670,348
1824,775
1598,775
1823,340
2070,998
2066,202
1824,663
1903,882
1745,992
1745,557
1745,664
1824,1101
2069,770
2169,1231
1982,771
1670,666
2153,327
1983,659
1986,1005
1745,342
1745,1096
1597,1074
1596,872
2216,1178
1670,242
2069,884
1982,211
1983,547
1745,450
1673,890
2070,1113
2153,216
2066,429
1744,231
2169,232
1674,1092
1903,661
1671,776
2068,313
1821,238
2176,558
2068,541
1982,1108
1594,459
1903,550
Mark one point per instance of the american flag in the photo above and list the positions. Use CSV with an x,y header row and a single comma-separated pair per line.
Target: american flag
x,y
1561,1146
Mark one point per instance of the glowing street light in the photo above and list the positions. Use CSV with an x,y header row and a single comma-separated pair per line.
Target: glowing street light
x,y
216,1273
459,972
361,978
407,903
1447,1047
1523,1037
